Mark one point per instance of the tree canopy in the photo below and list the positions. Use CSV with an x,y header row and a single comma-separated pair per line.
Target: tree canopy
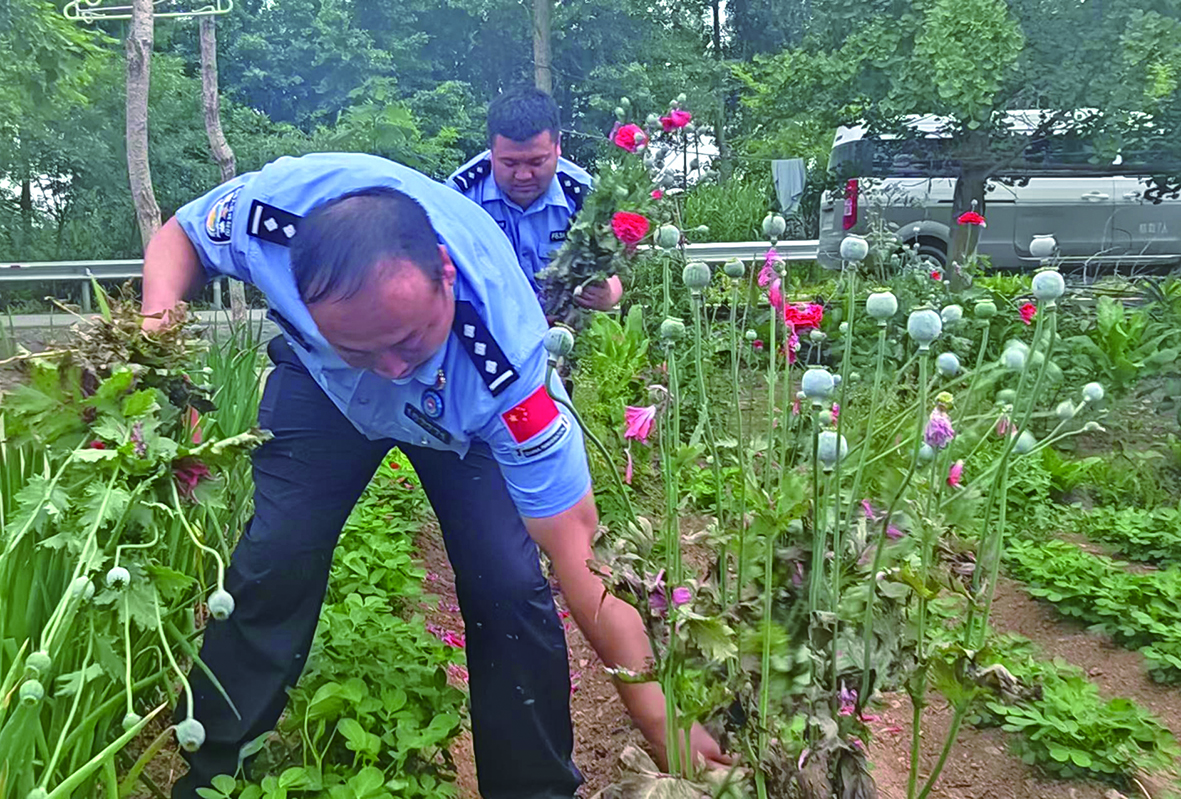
x,y
410,80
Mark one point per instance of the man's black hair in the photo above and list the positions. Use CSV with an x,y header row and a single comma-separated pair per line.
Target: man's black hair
x,y
522,113
341,241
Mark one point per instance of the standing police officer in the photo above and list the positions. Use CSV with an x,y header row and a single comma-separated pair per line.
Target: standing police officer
x,y
406,322
523,183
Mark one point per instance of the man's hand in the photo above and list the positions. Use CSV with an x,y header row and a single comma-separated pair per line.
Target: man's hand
x,y
704,750
612,626
602,296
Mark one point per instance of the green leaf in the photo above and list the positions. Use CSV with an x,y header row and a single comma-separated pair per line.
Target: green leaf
x,y
368,783
714,637
102,505
170,583
1059,754
95,455
357,738
224,783
1081,759
140,403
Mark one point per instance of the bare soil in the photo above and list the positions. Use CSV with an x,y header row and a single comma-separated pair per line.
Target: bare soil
x,y
602,727
979,767
1118,672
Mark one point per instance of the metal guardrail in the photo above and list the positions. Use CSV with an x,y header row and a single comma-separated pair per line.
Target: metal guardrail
x,y
127,269
133,268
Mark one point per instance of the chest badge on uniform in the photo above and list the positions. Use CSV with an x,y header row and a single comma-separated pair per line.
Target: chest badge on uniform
x,y
432,403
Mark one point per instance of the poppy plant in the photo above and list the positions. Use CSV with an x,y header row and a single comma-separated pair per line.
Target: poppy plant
x,y
629,228
629,137
638,422
971,218
1028,311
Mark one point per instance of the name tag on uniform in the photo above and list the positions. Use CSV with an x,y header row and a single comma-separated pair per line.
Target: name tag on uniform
x,y
427,424
557,235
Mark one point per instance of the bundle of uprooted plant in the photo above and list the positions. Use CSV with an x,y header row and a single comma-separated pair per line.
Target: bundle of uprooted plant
x,y
116,501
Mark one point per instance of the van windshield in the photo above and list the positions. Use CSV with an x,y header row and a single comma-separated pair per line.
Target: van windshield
x,y
940,157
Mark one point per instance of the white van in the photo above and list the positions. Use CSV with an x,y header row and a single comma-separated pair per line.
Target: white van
x,y
1096,219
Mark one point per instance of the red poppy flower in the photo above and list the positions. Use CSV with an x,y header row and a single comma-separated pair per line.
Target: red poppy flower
x,y
802,316
629,137
971,218
936,275
657,194
189,472
1028,311
629,228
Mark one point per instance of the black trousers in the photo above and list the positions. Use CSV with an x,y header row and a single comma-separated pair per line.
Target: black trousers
x,y
307,479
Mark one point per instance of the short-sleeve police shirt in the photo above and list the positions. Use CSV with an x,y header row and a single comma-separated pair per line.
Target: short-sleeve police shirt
x,y
534,232
493,365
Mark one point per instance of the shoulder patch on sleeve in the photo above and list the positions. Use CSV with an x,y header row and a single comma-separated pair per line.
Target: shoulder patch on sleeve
x,y
487,356
272,224
466,178
219,221
575,192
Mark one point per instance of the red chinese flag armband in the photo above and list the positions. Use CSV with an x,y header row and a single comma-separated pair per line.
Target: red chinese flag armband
x,y
533,415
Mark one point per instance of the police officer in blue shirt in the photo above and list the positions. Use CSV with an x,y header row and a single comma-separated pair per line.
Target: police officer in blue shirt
x,y
406,323
523,183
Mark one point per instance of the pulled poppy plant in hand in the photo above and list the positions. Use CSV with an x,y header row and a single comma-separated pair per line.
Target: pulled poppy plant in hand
x,y
629,228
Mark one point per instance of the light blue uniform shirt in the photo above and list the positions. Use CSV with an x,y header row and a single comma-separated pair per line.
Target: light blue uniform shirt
x,y
534,232
493,364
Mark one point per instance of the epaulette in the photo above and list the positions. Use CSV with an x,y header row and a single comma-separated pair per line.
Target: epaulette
x,y
575,192
489,359
272,224
467,178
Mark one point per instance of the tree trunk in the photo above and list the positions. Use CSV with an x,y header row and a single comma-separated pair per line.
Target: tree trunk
x,y
26,206
543,76
222,154
716,4
218,146
969,186
139,65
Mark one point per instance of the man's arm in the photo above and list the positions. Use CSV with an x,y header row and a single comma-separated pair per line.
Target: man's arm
x,y
172,271
612,626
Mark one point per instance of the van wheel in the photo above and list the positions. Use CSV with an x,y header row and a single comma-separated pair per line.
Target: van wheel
x,y
933,251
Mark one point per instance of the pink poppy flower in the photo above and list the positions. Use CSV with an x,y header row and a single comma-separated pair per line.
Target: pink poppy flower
x,y
775,294
1028,311
768,273
639,422
955,474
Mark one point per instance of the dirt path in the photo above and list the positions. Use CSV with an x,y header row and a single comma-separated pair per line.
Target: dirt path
x,y
1117,672
601,726
979,767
